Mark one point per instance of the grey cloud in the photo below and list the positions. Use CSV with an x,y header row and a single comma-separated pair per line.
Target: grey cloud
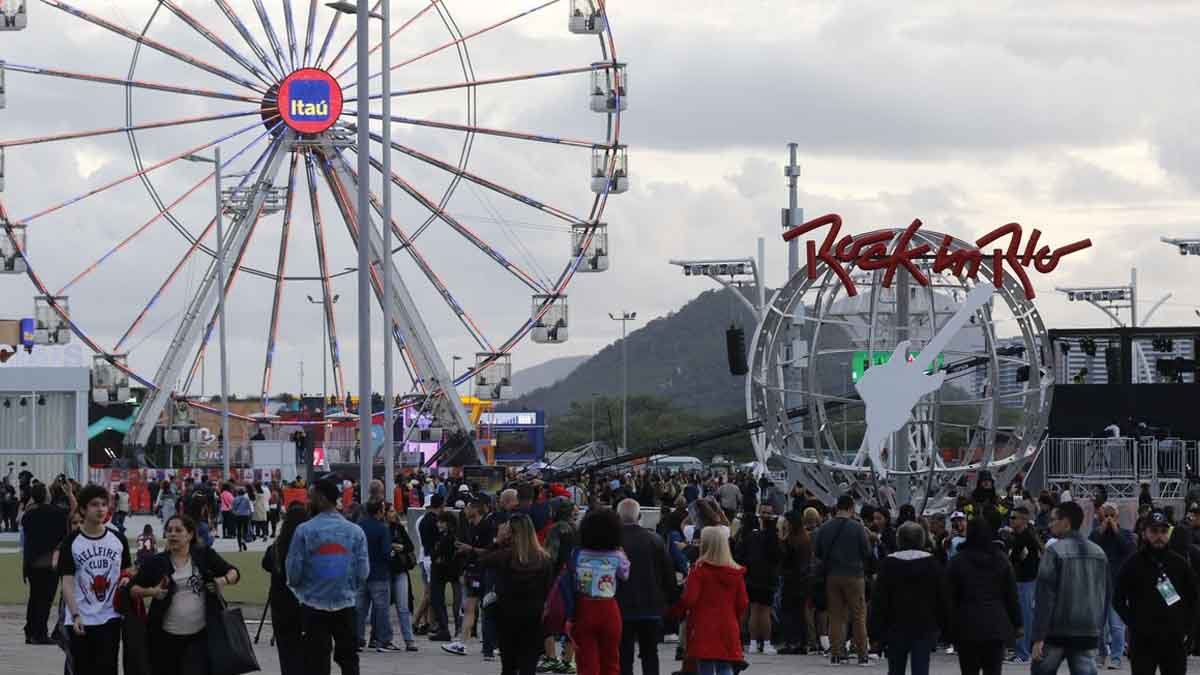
x,y
1088,183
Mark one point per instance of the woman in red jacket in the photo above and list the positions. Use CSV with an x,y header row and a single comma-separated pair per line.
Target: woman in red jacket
x,y
713,599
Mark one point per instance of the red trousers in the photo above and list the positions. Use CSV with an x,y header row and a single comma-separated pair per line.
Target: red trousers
x,y
596,632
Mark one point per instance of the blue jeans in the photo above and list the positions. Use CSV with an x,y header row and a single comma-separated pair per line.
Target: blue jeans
x,y
899,652
1112,637
1079,661
403,613
373,598
1026,592
715,668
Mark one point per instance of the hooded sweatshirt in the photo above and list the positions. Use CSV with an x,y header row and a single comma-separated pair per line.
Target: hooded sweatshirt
x,y
714,599
909,600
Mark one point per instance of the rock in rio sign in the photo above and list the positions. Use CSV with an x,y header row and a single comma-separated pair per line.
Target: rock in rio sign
x,y
310,100
870,252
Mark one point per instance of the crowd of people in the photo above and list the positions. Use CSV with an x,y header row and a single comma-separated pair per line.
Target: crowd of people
x,y
734,567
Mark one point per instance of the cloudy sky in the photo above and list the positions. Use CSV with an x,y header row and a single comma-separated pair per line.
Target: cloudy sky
x,y
1076,118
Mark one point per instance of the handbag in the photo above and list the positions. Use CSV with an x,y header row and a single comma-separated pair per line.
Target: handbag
x,y
820,573
230,651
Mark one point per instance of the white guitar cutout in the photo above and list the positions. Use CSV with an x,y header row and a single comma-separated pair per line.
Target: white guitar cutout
x,y
890,391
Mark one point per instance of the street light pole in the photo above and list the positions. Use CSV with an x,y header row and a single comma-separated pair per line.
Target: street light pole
x,y
221,316
389,415
324,347
365,457
624,318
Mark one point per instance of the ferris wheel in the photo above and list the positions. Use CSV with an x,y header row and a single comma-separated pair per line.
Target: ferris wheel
x,y
271,100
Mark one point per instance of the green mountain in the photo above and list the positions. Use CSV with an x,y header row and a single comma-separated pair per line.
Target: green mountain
x,y
679,357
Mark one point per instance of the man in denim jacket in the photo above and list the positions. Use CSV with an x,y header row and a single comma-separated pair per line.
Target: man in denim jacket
x,y
327,564
1072,596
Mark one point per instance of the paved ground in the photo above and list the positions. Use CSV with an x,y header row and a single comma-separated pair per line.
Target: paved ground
x,y
20,658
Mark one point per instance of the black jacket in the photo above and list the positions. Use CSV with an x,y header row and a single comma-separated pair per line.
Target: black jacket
x,y
521,589
651,575
45,527
909,600
761,553
285,608
206,561
983,596
794,573
1025,555
1142,607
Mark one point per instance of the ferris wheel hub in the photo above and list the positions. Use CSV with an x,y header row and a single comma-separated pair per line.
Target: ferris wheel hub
x,y
308,101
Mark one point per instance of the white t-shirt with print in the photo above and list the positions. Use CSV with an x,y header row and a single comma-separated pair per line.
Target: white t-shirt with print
x,y
96,564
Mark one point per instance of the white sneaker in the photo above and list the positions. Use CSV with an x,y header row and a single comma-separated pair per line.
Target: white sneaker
x,y
950,649
671,639
768,649
456,648
824,643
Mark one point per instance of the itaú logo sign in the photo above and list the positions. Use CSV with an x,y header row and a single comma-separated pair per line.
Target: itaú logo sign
x,y
310,101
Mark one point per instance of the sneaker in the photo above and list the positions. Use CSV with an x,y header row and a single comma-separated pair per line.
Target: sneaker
x,y
387,648
565,668
950,650
1114,664
671,639
440,637
421,629
547,665
456,648
410,647
864,661
767,648
835,660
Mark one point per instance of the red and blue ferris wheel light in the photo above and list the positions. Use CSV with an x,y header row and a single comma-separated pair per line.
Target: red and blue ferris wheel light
x,y
310,101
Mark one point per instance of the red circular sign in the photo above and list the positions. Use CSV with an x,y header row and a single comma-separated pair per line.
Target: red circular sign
x,y
310,100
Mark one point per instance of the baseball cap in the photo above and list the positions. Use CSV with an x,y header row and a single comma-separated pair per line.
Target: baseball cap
x,y
958,515
437,502
1158,519
464,488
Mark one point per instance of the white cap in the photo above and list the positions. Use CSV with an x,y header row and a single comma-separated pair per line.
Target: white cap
x,y
958,514
464,488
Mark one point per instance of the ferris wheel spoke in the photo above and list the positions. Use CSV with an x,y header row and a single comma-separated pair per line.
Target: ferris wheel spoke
x,y
503,133
280,270
483,182
524,277
73,135
212,321
423,264
217,41
242,30
396,32
152,167
328,38
103,79
353,35
291,31
154,44
145,226
323,263
309,34
464,38
495,80
195,245
265,20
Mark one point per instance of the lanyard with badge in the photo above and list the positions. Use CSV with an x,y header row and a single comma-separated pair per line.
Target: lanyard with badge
x,y
1165,588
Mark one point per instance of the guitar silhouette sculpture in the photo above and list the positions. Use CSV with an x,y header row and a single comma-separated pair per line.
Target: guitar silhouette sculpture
x,y
890,391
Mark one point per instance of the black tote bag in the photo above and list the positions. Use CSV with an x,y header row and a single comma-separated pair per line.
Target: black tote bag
x,y
230,651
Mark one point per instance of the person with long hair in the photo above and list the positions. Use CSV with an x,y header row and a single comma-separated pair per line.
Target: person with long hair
x,y
402,560
524,572
597,567
285,609
185,582
984,611
796,543
714,599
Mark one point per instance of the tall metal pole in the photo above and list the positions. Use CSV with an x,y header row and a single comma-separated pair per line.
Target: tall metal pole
x,y
1133,317
624,385
389,419
221,317
795,215
365,457
324,360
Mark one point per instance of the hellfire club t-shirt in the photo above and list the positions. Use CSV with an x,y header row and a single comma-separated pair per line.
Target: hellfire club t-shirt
x,y
96,564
